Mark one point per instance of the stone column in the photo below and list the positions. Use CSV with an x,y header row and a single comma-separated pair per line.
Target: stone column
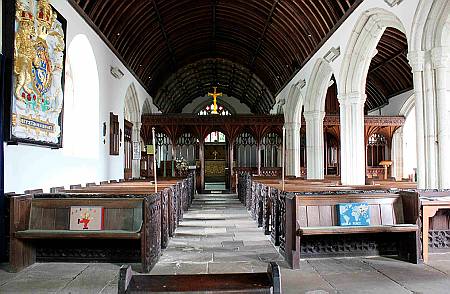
x,y
352,138
429,126
441,60
201,154
314,144
292,149
397,155
136,137
416,60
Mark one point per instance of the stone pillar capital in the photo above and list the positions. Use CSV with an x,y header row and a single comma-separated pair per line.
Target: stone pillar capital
x,y
292,125
416,60
440,57
352,98
314,115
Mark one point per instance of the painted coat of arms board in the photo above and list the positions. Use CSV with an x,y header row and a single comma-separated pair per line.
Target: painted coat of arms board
x,y
38,74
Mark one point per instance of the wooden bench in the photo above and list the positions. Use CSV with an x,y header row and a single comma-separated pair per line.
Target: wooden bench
x,y
126,221
171,200
269,282
316,217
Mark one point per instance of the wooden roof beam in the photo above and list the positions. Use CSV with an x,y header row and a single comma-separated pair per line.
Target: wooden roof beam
x,y
166,38
392,58
258,47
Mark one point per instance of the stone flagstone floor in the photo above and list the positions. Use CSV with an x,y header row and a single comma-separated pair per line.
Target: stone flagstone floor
x,y
217,235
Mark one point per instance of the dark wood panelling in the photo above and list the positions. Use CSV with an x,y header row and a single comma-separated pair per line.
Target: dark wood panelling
x,y
270,39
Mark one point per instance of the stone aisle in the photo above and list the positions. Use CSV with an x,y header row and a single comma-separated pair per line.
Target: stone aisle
x,y
217,235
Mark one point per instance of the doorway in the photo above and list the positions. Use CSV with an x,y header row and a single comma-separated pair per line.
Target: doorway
x,y
128,150
216,162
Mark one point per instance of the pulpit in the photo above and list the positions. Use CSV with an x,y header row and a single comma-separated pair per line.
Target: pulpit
x,y
385,164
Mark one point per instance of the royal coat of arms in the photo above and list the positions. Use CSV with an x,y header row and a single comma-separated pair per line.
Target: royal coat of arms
x,y
39,47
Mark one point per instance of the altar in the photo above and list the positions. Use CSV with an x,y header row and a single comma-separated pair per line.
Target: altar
x,y
215,168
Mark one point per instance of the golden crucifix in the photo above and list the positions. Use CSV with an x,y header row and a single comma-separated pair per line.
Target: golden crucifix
x,y
215,95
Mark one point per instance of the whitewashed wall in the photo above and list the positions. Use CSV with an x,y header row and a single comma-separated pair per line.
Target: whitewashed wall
x,y
29,167
394,106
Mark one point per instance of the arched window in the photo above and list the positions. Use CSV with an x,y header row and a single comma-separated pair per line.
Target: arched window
x,y
215,137
81,105
221,110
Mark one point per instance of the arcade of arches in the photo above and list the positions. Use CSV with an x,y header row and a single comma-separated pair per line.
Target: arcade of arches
x,y
363,83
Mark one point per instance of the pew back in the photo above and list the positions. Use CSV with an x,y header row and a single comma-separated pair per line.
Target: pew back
x,y
314,211
54,214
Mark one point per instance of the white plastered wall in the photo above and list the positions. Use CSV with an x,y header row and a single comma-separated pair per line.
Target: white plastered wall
x,y
30,167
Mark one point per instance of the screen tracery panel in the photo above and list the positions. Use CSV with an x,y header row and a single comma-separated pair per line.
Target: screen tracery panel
x,y
245,149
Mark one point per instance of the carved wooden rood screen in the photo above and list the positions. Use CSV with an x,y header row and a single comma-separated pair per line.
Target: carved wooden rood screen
x,y
252,143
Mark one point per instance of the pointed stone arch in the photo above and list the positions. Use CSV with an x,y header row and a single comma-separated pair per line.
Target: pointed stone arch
x,y
314,114
318,86
430,60
147,107
352,83
360,50
292,117
132,109
132,113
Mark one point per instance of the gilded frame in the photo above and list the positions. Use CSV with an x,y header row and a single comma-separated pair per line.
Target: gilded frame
x,y
34,43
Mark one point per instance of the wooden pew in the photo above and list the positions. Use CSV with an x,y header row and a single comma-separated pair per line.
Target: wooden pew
x,y
430,208
268,282
128,220
34,191
176,197
55,189
282,214
312,220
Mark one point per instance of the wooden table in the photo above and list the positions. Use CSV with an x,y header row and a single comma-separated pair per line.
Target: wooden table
x,y
429,209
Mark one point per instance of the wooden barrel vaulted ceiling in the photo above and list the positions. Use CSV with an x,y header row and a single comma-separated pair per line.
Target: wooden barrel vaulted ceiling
x,y
389,73
179,49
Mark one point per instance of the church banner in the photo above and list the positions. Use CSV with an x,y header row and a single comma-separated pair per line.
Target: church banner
x,y
36,111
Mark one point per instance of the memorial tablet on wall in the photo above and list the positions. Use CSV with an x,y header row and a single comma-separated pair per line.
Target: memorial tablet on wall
x,y
36,111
